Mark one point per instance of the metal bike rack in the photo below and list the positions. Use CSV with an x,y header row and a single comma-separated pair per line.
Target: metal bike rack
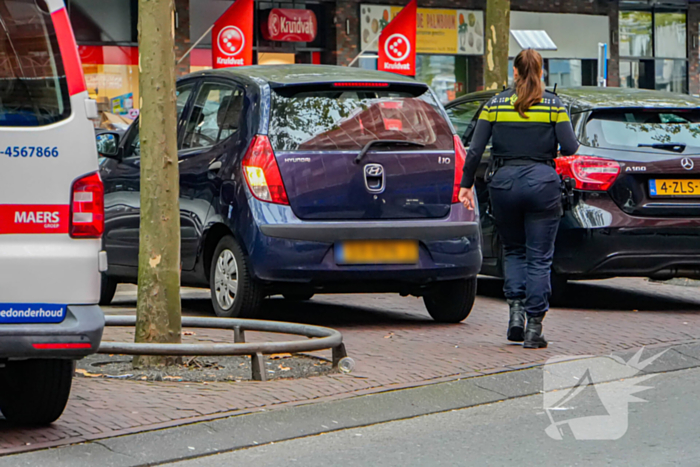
x,y
320,338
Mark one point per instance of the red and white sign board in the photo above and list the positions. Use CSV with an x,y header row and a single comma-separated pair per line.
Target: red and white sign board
x,y
232,36
290,25
397,43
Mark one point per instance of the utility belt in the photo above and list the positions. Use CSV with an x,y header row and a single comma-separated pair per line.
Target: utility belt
x,y
567,184
496,163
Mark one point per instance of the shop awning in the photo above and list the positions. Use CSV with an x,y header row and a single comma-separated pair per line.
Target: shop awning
x,y
538,40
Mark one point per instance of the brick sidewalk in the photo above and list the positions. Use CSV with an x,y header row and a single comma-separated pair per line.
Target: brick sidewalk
x,y
395,345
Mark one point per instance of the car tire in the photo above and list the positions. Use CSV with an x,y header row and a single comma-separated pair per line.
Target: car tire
x,y
107,290
233,297
560,285
298,297
35,392
451,301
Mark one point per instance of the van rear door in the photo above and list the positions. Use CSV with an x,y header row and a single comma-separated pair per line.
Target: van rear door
x,y
51,213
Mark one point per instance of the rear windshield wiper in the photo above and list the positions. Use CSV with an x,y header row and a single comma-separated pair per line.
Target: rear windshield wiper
x,y
675,147
387,142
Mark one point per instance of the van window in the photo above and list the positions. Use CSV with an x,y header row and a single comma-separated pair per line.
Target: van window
x,y
348,120
33,87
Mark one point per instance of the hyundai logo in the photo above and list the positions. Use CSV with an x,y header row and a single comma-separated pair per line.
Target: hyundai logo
x,y
374,178
687,163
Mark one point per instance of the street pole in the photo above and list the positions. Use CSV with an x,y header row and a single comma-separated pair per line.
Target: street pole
x,y
602,64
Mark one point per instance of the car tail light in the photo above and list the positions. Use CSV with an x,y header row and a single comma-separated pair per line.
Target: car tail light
x,y
460,157
590,173
262,173
87,213
361,85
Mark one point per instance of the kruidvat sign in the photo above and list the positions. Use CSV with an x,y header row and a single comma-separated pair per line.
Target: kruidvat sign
x,y
232,36
290,25
397,43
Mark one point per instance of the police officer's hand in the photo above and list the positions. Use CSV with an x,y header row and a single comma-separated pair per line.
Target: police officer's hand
x,y
466,196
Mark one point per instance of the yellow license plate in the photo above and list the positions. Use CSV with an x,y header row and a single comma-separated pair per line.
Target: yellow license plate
x,y
659,187
377,252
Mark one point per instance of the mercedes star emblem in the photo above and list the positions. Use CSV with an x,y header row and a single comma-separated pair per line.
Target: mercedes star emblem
x,y
687,163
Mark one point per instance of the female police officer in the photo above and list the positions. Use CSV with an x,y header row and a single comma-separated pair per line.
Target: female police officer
x,y
528,126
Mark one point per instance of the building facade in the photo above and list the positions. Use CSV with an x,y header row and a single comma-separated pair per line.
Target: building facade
x,y
651,43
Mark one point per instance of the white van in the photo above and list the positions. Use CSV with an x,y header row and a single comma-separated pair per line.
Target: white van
x,y
51,212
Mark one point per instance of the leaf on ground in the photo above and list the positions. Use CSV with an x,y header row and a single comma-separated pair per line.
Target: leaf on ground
x,y
284,368
277,356
189,333
89,375
389,336
171,378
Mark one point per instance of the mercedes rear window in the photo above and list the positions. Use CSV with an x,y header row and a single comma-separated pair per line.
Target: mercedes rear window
x,y
648,130
33,88
348,119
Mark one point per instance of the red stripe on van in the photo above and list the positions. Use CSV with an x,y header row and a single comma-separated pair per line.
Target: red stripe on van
x,y
34,218
69,52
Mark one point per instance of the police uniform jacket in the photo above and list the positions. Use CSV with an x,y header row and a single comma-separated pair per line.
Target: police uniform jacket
x,y
538,136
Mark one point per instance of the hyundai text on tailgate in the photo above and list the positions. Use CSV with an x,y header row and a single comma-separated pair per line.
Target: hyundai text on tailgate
x,y
51,212
299,180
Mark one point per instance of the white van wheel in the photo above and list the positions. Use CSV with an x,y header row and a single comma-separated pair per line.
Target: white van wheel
x,y
35,392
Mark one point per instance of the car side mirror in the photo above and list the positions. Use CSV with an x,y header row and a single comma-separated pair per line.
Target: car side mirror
x,y
108,145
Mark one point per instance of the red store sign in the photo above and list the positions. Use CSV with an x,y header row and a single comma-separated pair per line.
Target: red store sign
x,y
290,25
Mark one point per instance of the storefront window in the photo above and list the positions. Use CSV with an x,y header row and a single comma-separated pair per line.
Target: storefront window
x,y
112,21
440,73
112,79
564,73
629,74
635,34
671,76
670,35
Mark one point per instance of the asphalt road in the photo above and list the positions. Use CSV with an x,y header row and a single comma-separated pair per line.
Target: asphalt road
x,y
663,431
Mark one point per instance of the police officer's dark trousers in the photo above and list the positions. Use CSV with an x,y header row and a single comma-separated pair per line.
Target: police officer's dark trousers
x,y
526,205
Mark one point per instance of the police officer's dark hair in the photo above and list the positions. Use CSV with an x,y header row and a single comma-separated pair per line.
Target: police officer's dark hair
x,y
528,86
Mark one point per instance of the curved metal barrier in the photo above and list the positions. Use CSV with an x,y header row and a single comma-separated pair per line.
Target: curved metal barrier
x,y
319,338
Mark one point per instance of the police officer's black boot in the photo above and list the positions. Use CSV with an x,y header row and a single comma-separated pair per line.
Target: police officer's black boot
x,y
533,333
516,325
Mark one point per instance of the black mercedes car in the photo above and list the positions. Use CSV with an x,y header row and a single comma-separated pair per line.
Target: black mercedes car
x,y
634,202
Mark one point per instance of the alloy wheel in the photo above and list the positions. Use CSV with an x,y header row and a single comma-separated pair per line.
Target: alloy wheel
x,y
226,279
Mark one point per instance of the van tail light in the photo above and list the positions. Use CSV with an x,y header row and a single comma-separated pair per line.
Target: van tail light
x,y
87,208
460,157
262,172
590,173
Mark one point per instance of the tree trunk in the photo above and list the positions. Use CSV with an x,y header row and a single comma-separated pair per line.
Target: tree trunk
x,y
158,314
497,37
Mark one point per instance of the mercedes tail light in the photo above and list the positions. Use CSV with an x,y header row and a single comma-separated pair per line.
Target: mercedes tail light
x,y
460,157
589,172
262,173
87,208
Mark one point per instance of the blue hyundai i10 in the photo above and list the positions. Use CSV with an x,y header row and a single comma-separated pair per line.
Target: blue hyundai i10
x,y
298,180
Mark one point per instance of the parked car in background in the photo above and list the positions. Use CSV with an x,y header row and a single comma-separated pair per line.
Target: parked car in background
x,y
636,185
51,213
299,180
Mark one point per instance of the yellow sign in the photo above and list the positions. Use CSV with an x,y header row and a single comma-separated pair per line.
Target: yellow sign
x,y
439,31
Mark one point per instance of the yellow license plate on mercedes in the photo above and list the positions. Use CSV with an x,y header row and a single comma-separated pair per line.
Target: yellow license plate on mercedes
x,y
680,187
377,252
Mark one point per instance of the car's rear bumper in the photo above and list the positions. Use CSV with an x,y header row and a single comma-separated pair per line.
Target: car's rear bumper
x,y
283,248
640,252
330,232
77,336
